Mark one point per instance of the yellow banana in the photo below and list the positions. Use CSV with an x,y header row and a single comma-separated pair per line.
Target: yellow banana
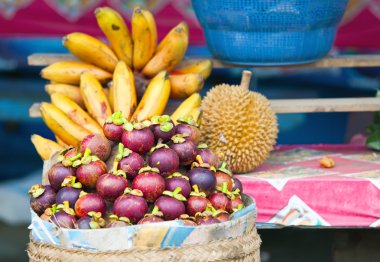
x,y
113,26
110,95
170,53
94,98
61,125
166,39
45,147
155,98
202,67
185,85
185,108
196,114
69,72
144,34
90,50
123,90
70,91
75,113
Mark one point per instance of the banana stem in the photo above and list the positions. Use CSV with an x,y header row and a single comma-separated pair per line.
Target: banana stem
x,y
245,79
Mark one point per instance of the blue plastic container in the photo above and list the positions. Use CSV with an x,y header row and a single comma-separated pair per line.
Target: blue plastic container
x,y
269,32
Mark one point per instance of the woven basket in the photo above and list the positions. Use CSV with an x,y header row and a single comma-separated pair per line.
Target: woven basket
x,y
244,248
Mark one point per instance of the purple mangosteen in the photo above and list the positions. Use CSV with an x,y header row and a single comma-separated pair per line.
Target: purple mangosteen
x,y
62,215
206,218
41,198
197,202
113,127
188,127
220,201
185,149
171,204
163,158
70,191
115,221
236,203
223,175
237,184
154,217
131,205
178,180
202,176
137,137
57,174
112,185
163,128
129,161
207,155
150,182
98,144
94,220
89,202
90,168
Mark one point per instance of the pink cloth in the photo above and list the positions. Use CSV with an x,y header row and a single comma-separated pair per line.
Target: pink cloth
x,y
291,188
360,28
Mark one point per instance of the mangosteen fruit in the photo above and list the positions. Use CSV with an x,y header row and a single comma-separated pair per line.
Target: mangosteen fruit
x,y
171,204
163,158
113,127
131,205
98,144
137,137
162,127
185,149
41,198
150,182
178,180
89,202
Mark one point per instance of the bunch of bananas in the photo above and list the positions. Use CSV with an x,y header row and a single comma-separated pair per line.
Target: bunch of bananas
x,y
108,77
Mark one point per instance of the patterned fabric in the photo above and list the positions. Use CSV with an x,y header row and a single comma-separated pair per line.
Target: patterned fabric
x,y
360,27
291,188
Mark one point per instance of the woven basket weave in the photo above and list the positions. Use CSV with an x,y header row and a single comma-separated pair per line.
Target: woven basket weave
x,y
244,248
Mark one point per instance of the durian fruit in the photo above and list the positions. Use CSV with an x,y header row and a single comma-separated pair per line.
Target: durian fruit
x,y
239,124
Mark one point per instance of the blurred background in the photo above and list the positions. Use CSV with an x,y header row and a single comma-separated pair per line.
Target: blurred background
x,y
36,26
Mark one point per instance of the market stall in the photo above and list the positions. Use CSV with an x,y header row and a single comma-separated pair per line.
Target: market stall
x,y
138,97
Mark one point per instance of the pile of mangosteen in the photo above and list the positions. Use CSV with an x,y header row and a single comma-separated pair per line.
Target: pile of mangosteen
x,y
138,173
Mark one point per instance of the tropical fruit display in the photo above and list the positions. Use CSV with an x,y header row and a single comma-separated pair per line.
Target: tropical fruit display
x,y
136,173
117,159
132,56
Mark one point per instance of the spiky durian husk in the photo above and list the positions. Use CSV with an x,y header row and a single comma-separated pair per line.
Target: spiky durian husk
x,y
239,124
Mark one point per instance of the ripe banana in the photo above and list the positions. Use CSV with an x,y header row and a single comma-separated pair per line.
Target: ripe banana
x,y
45,147
183,86
75,113
123,90
186,107
69,72
61,125
144,34
94,98
169,53
155,98
90,50
113,26
202,67
110,95
70,91
196,114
